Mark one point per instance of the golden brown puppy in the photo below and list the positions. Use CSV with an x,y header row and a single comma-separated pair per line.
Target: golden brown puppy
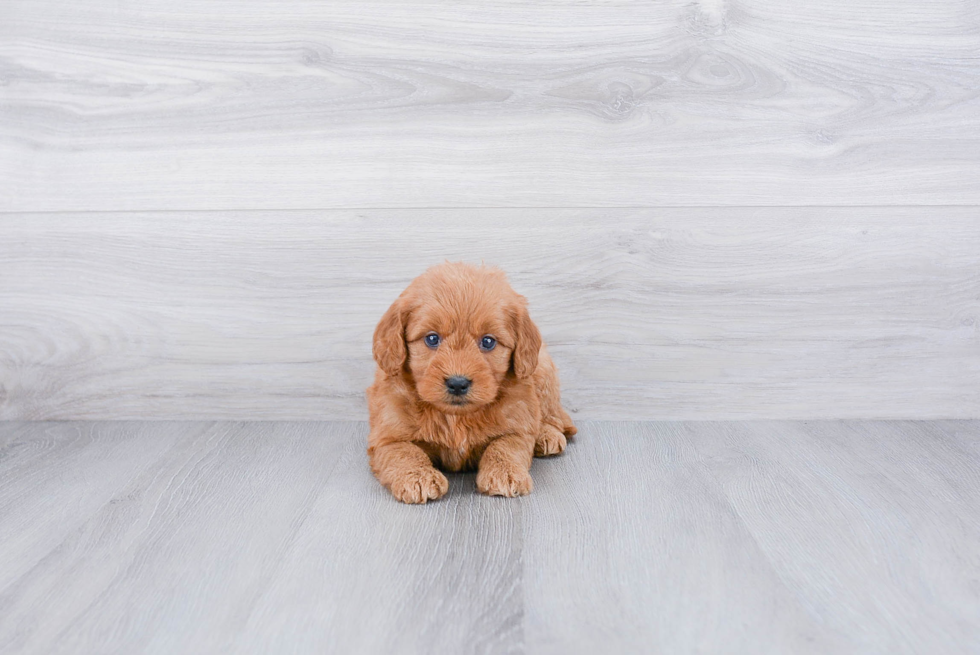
x,y
463,382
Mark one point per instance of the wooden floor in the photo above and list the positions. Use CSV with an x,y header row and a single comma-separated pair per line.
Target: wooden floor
x,y
718,209
672,537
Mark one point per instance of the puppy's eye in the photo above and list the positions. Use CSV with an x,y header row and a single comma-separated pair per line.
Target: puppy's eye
x,y
432,340
488,343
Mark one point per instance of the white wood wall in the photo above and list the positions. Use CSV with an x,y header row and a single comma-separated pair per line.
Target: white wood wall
x,y
718,209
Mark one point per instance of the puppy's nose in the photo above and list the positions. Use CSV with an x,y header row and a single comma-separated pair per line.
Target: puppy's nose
x,y
457,385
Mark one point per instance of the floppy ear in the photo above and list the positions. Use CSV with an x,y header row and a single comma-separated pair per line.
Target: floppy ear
x,y
389,339
525,355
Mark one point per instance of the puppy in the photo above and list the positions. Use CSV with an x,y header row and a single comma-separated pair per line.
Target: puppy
x,y
463,381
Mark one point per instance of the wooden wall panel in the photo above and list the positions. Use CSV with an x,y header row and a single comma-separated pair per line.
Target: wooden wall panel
x,y
233,104
650,314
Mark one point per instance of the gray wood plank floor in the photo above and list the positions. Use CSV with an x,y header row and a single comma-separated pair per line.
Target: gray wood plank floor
x,y
725,537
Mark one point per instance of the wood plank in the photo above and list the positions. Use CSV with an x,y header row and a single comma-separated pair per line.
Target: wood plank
x,y
873,525
268,537
367,574
747,537
155,105
663,313
55,476
631,547
177,559
740,537
965,433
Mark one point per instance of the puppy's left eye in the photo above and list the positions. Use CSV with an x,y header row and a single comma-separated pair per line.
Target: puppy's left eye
x,y
488,343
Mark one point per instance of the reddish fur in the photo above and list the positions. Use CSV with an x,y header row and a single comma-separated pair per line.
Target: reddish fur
x,y
514,411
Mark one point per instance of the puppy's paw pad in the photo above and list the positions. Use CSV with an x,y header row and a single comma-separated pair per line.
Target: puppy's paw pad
x,y
419,486
549,442
508,482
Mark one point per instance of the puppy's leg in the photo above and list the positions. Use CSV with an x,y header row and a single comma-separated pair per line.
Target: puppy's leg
x,y
556,424
567,427
408,473
504,466
550,441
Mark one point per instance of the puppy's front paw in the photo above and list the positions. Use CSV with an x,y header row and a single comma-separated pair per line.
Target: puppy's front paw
x,y
417,486
549,442
504,481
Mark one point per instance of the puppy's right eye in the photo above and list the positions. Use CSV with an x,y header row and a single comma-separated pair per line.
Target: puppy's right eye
x,y
432,340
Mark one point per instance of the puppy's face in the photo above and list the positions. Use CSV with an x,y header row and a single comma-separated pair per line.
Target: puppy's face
x,y
460,331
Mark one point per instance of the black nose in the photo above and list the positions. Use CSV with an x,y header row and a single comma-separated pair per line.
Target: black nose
x,y
458,385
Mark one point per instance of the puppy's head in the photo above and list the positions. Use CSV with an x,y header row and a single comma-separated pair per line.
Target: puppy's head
x,y
461,331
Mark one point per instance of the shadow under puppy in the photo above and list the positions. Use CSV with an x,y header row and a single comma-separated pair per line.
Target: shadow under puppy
x,y
463,381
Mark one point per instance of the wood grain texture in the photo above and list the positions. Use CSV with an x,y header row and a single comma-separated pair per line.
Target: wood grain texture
x,y
815,537
670,313
631,543
368,574
786,537
175,557
67,473
150,105
907,497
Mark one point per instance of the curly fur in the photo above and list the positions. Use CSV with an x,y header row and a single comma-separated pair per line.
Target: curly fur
x,y
511,413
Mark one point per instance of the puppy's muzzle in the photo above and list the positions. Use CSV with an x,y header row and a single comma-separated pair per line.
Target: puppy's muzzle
x,y
458,385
